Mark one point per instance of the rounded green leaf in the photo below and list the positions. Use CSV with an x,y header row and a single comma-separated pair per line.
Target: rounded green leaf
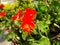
x,y
44,41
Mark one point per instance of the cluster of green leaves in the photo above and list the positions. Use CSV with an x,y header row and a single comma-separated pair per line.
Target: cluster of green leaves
x,y
47,24
48,19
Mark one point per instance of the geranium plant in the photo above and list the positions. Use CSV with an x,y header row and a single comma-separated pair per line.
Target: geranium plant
x,y
31,22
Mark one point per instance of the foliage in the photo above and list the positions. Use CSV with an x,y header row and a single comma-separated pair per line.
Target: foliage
x,y
43,26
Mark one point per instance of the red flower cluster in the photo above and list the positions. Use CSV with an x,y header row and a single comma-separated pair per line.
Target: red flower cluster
x,y
17,16
2,14
1,6
28,20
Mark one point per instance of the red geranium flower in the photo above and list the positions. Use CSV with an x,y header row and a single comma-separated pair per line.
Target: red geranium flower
x,y
1,6
2,14
28,20
17,16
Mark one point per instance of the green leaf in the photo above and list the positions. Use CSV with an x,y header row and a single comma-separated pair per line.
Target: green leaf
x,y
7,7
17,23
30,39
34,31
44,8
48,20
43,26
10,35
44,41
34,44
58,43
24,35
59,12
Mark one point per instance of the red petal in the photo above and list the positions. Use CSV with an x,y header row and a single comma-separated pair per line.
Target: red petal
x,y
17,16
14,17
2,14
28,19
1,6
30,11
19,12
27,30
